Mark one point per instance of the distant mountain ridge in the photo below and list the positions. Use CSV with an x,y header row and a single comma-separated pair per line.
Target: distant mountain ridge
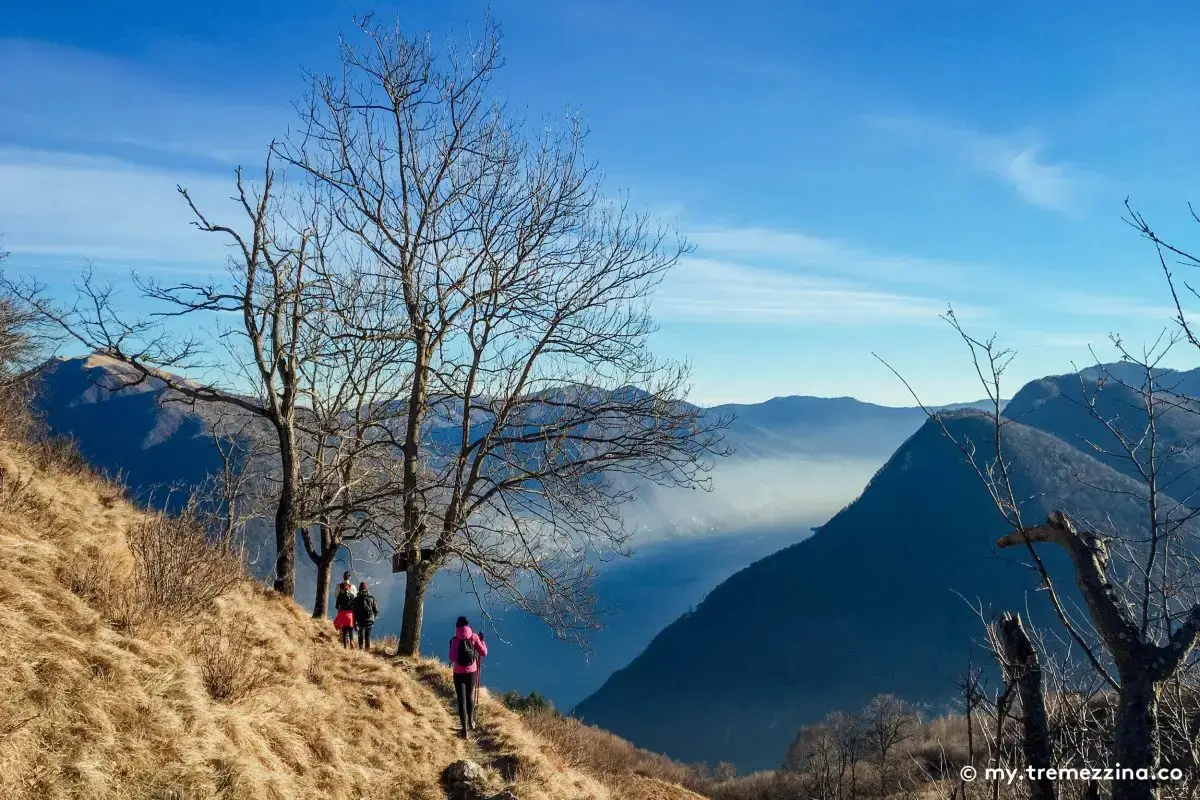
x,y
1058,404
806,425
871,602
131,432
172,439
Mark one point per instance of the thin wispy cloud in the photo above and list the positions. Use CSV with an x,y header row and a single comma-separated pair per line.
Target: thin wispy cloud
x,y
64,98
71,208
799,250
706,290
1021,162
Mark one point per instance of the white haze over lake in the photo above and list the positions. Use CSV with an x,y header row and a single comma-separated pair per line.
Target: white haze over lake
x,y
758,493
752,494
689,542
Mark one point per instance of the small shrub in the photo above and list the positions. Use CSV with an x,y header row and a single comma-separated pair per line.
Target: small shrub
x,y
113,492
523,704
17,494
58,452
229,666
385,645
178,572
17,420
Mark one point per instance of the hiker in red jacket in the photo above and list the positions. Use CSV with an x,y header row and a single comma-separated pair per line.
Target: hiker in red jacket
x,y
466,648
344,621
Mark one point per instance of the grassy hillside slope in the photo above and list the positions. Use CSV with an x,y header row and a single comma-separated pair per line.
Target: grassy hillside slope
x,y
244,696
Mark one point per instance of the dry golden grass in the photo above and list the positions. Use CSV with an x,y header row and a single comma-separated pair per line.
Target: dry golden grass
x,y
626,769
104,700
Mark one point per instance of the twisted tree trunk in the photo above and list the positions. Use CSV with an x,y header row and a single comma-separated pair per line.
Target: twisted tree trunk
x,y
1142,665
1022,669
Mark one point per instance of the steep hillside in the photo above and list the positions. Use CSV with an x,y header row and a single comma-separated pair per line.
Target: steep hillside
x,y
114,685
869,604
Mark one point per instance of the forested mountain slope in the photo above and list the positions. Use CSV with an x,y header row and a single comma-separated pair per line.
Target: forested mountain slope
x,y
878,600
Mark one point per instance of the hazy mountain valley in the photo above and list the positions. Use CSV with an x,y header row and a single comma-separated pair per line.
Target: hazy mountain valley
x,y
790,472
885,598
915,543
599,401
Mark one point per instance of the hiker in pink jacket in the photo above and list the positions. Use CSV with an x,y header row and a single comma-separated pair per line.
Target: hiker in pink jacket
x,y
466,648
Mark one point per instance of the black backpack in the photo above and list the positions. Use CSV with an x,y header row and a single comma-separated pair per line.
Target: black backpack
x,y
467,654
365,608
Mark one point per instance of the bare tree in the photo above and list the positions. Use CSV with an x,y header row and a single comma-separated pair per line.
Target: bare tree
x,y
25,343
817,752
1139,586
974,699
233,497
829,752
531,398
431,232
24,339
273,258
1179,717
850,737
352,392
887,721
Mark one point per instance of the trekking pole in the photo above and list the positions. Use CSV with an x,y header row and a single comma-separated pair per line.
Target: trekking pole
x,y
478,676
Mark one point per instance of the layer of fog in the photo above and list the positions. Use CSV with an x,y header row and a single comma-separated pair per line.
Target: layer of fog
x,y
688,542
758,493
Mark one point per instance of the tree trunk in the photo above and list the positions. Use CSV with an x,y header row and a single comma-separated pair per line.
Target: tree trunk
x,y
1135,743
286,515
417,575
324,572
323,560
1023,669
415,583
412,447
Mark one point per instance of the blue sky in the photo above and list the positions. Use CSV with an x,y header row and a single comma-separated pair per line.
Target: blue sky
x,y
845,169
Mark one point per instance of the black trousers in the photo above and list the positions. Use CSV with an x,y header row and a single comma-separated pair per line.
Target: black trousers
x,y
364,637
464,691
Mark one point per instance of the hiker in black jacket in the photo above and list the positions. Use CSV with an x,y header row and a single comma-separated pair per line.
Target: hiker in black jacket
x,y
365,612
